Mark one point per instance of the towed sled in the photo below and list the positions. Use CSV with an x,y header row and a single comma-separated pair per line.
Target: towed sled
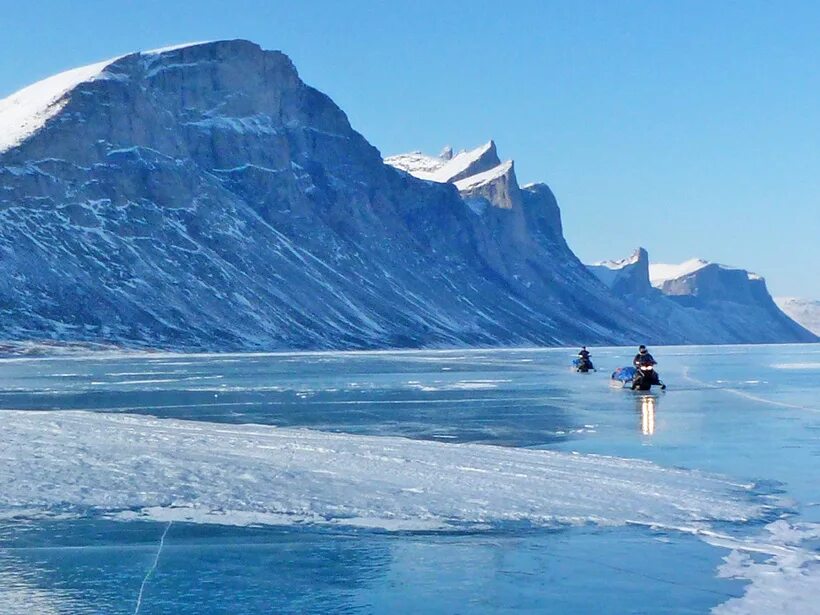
x,y
637,379
582,365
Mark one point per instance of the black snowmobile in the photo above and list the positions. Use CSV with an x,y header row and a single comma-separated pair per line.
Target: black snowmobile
x,y
645,376
583,364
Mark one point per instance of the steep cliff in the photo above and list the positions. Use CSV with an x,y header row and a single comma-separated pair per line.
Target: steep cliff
x,y
205,197
703,302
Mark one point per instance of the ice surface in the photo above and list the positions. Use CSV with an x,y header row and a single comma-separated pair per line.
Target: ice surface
x,y
787,581
572,462
186,470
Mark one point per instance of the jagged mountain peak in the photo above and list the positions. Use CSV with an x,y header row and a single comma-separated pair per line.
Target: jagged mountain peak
x,y
204,196
626,276
448,167
640,255
478,174
26,111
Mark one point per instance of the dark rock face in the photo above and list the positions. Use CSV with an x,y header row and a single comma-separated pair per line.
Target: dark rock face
x,y
205,197
628,277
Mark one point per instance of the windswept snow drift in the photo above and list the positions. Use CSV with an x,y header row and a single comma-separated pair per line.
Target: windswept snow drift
x,y
129,466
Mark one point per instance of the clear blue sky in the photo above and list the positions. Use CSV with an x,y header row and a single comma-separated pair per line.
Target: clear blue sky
x,y
691,128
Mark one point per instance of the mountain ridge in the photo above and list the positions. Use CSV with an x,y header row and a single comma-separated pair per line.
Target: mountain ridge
x,y
204,197
708,302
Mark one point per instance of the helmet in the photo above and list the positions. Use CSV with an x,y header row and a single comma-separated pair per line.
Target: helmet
x,y
641,348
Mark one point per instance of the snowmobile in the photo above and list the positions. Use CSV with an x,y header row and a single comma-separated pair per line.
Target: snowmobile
x,y
645,376
583,365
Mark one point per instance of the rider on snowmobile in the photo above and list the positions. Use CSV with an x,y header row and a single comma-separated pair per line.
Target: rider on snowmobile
x,y
644,359
584,363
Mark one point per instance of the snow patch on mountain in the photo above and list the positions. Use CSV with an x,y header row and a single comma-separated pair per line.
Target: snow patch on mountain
x,y
482,179
443,169
660,272
417,164
26,111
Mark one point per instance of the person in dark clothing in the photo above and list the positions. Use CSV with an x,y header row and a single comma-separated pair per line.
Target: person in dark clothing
x,y
644,359
585,363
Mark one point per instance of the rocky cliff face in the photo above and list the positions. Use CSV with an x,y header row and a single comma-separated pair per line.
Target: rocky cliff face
x,y
629,276
703,302
205,197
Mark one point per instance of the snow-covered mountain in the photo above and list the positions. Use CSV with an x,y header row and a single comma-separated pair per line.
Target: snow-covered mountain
x,y
205,197
806,312
703,302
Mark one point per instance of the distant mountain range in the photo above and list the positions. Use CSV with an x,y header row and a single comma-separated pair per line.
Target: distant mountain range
x,y
704,302
204,197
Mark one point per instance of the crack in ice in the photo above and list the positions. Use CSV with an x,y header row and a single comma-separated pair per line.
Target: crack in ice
x,y
152,568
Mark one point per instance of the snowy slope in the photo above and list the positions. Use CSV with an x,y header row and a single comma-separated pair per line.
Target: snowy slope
x,y
482,179
659,273
443,170
26,111
806,312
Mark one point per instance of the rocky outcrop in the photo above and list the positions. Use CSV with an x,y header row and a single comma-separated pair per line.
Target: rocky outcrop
x,y
205,197
629,276
704,302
